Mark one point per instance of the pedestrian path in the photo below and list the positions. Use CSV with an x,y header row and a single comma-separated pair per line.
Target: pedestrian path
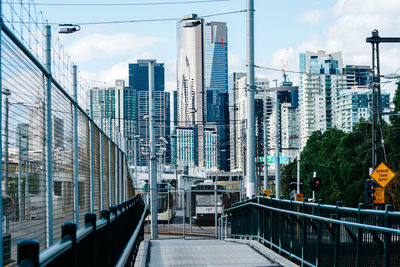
x,y
203,252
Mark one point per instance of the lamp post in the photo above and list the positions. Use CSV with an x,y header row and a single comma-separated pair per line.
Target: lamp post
x,y
277,137
7,93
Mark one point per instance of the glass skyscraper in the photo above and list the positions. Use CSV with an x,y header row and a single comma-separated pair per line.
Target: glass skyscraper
x,y
139,82
216,87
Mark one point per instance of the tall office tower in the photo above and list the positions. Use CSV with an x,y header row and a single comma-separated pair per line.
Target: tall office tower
x,y
263,110
233,119
353,105
210,148
290,130
115,109
175,107
216,86
215,65
185,145
139,81
190,76
357,75
320,83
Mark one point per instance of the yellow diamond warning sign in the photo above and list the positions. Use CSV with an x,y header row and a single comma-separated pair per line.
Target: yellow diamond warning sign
x,y
382,174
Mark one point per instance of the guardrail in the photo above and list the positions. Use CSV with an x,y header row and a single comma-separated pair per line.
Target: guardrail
x,y
320,235
112,240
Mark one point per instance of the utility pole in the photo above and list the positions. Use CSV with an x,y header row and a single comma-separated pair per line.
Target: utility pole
x,y
376,109
265,153
153,158
298,173
277,139
251,171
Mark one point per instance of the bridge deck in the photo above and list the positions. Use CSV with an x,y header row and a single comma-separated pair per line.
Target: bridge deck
x,y
204,252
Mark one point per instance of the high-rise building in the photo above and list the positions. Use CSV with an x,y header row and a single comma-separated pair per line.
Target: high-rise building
x,y
233,119
186,146
215,65
139,82
216,86
357,75
190,77
320,83
263,111
353,105
290,130
114,108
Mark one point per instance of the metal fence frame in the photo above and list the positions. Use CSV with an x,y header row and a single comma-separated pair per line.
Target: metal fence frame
x,y
51,86
320,235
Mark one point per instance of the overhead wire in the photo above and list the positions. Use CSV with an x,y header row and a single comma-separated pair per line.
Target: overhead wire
x,y
125,21
123,4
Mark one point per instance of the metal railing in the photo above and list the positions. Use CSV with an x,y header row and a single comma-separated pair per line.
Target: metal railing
x,y
112,240
320,235
58,163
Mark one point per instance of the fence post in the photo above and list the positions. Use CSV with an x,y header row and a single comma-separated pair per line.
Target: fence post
x,y
359,234
280,225
226,226
105,214
90,218
1,141
91,156
49,138
318,252
101,160
387,237
110,189
337,235
75,138
68,229
291,230
270,223
303,236
28,253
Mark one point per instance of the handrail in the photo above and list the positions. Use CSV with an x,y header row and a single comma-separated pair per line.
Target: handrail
x,y
325,235
99,243
324,219
54,251
84,232
129,247
327,206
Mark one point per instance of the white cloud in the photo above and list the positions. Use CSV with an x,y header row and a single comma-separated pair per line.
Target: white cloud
x,y
312,16
366,7
353,22
97,45
235,63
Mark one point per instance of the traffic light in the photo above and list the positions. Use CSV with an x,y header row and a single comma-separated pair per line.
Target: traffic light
x,y
369,192
316,184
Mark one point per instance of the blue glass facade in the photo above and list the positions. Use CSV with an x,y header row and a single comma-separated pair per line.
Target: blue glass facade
x,y
215,65
216,85
139,76
139,83
324,66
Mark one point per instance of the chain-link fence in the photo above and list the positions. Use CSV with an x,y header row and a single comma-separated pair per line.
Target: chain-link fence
x,y
57,164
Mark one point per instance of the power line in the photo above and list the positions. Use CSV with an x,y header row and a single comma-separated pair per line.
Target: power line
x,y
125,21
123,4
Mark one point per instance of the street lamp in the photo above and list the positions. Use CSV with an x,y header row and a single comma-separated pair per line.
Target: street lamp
x,y
68,28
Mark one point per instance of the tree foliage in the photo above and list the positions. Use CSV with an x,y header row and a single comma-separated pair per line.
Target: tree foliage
x,y
343,160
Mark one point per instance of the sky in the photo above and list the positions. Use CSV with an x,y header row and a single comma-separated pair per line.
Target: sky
x,y
283,29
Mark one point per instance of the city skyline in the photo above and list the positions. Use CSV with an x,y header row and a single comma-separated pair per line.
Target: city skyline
x,y
102,53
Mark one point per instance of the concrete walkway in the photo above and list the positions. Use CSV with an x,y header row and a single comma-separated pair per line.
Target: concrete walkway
x,y
203,252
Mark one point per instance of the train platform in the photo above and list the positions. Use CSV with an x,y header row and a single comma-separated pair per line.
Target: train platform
x,y
168,251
